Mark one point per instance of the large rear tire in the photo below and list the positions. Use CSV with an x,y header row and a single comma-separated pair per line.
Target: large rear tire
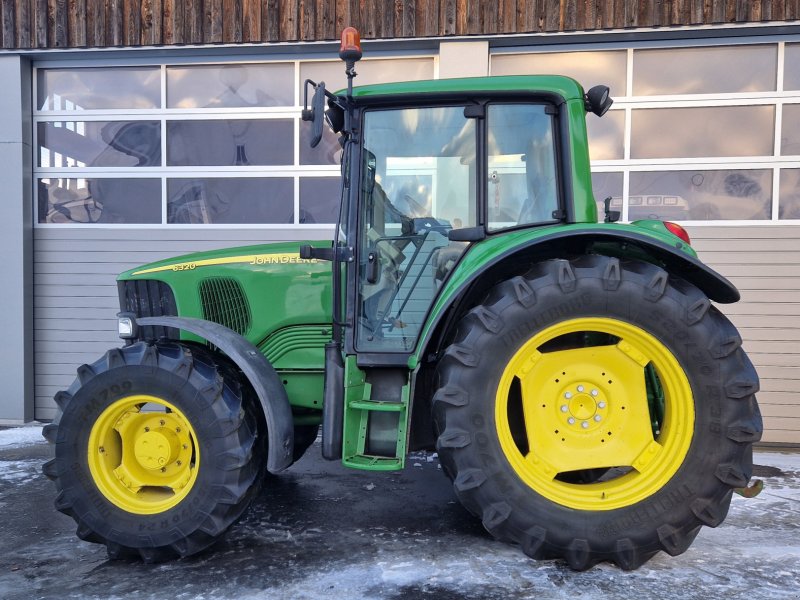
x,y
596,409
155,450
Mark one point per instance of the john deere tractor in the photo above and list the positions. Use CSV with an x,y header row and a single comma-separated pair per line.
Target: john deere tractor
x,y
587,399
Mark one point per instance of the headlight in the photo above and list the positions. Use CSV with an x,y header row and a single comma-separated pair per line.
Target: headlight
x,y
126,326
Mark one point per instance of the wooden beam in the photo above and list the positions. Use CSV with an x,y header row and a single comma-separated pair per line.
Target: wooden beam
x,y
251,21
173,22
8,26
212,21
77,23
114,21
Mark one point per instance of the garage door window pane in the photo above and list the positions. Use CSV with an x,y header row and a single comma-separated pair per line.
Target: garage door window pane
x,y
230,86
588,68
238,142
789,207
790,133
719,70
701,195
791,73
695,132
246,200
99,144
607,185
319,199
99,200
606,135
98,88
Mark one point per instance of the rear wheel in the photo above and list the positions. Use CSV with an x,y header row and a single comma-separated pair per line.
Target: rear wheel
x,y
155,450
597,410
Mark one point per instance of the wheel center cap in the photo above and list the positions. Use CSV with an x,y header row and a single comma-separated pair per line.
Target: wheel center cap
x,y
154,450
582,406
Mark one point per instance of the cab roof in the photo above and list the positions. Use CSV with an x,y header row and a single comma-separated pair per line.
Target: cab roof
x,y
566,87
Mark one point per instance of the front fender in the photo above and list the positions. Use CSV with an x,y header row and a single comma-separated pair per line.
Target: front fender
x,y
260,374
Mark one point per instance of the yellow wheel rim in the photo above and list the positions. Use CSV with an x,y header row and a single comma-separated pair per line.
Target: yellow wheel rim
x,y
143,454
586,408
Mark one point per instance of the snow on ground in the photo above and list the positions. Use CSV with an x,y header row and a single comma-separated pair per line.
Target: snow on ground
x,y
17,437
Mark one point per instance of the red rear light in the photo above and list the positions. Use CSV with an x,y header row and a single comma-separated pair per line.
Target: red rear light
x,y
350,50
678,231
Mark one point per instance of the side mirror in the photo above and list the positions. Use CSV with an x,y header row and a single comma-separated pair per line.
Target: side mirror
x,y
317,113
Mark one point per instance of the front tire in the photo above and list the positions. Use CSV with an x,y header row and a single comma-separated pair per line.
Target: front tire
x,y
155,451
596,409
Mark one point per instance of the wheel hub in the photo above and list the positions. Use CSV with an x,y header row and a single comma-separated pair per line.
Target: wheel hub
x,y
156,449
582,405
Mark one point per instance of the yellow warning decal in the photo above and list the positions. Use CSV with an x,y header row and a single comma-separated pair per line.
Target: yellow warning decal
x,y
282,258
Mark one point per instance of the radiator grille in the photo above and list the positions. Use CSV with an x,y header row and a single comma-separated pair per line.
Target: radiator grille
x,y
149,298
224,302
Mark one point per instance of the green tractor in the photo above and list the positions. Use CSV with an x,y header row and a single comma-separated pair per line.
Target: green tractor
x,y
586,399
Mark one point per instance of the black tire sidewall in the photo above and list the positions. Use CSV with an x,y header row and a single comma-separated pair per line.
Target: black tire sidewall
x,y
664,318
88,502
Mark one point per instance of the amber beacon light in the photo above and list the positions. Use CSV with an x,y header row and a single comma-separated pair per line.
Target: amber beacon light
x,y
350,50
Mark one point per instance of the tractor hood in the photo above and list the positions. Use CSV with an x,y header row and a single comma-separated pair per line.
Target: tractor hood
x,y
268,287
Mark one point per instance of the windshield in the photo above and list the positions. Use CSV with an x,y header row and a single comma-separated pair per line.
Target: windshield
x,y
418,182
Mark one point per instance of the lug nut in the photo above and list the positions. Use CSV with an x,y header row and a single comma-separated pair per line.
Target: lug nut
x,y
601,405
571,421
597,418
585,425
564,408
595,392
580,388
568,395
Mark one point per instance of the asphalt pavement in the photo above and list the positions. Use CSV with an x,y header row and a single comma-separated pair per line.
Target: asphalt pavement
x,y
322,531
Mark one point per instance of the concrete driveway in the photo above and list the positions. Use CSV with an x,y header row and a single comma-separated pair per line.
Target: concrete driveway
x,y
322,531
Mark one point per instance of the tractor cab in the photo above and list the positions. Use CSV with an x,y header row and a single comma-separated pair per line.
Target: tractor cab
x,y
429,170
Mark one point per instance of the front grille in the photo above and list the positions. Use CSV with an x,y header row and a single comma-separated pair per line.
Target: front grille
x,y
149,298
224,302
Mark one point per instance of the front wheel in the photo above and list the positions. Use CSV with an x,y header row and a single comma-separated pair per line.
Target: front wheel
x,y
597,409
156,450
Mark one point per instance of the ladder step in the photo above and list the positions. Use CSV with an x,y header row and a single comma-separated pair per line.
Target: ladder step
x,y
377,405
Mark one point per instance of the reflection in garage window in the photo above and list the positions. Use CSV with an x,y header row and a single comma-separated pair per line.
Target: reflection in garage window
x,y
707,131
319,199
99,144
230,86
239,142
99,200
789,207
228,200
701,195
607,185
98,88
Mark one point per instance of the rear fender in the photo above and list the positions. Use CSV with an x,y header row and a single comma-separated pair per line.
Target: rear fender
x,y
482,267
260,374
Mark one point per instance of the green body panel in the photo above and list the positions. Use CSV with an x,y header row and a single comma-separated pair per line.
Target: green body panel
x,y
289,303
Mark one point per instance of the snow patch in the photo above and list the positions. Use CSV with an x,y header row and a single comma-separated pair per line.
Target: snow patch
x,y
18,437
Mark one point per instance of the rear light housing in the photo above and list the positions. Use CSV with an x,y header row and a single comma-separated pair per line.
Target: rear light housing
x,y
678,231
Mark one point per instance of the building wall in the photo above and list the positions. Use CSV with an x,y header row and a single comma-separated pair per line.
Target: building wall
x,y
98,23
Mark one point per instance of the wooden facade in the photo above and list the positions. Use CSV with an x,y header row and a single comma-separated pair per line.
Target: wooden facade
x,y
98,23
